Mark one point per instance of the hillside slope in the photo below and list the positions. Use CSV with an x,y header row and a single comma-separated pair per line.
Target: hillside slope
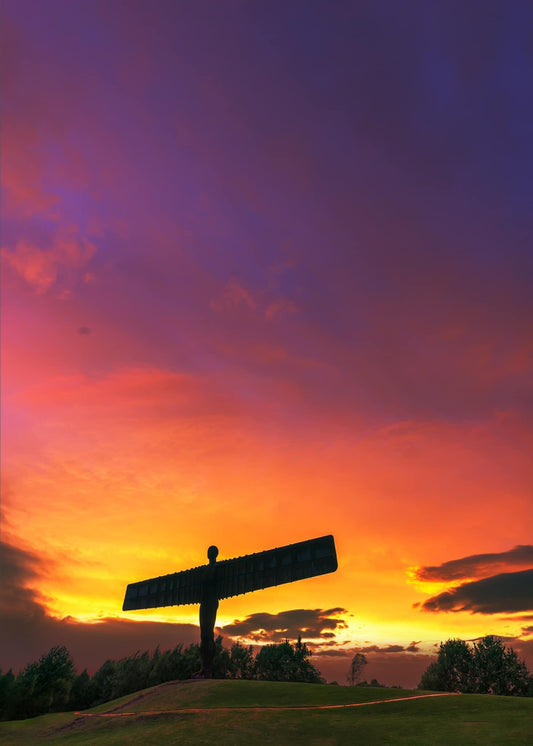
x,y
241,712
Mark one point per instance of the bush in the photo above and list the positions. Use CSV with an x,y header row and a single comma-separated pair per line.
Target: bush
x,y
285,662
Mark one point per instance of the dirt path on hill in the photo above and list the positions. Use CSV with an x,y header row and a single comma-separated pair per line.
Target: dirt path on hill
x,y
183,710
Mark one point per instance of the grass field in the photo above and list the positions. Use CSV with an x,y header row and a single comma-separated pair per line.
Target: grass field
x,y
237,712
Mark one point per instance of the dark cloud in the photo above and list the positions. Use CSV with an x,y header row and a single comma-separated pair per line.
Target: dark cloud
x,y
324,647
332,653
310,623
412,648
26,632
20,569
478,565
26,639
84,330
519,618
506,592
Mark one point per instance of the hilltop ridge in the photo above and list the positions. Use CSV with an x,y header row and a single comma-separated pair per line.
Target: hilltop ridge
x,y
239,712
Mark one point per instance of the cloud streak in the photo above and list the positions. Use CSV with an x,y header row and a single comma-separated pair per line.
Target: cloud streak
x,y
506,592
412,648
309,623
477,565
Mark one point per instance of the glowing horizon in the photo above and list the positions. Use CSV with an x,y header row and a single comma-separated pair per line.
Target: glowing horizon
x,y
262,282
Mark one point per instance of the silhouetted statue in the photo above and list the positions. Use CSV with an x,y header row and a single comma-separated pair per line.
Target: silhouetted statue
x,y
208,614
207,584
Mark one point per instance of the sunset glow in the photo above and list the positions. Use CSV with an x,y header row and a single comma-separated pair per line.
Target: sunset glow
x,y
267,275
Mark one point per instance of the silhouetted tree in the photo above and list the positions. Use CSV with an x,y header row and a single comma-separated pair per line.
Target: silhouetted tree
x,y
7,684
43,686
452,671
103,681
153,675
131,674
83,692
359,661
486,668
283,662
20,704
221,661
241,661
192,661
305,671
170,665
497,669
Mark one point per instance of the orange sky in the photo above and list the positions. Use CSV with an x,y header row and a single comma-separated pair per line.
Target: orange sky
x,y
220,328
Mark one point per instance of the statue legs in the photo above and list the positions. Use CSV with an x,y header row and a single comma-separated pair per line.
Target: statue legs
x,y
208,615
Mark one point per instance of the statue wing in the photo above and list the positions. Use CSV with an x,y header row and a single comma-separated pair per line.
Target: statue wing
x,y
252,572
305,559
168,590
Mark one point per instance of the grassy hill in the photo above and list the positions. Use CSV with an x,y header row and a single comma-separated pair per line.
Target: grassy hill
x,y
256,712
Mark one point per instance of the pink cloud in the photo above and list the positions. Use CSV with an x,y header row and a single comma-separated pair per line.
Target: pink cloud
x,y
234,294
40,267
281,306
150,392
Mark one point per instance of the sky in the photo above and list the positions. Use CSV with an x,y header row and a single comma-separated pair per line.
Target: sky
x,y
267,275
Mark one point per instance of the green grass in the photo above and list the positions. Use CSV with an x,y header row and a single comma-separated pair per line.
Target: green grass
x,y
464,720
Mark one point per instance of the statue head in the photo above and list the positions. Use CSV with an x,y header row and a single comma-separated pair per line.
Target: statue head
x,y
212,553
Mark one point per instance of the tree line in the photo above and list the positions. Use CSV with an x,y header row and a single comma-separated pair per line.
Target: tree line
x,y
485,667
52,684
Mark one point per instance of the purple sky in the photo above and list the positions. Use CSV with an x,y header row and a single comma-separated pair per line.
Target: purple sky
x,y
260,255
